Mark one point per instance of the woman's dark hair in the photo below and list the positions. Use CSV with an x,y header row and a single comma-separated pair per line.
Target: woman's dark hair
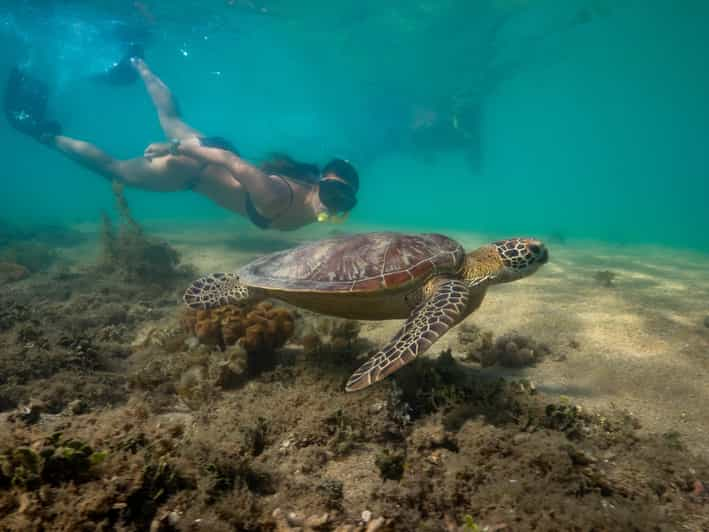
x,y
282,164
344,170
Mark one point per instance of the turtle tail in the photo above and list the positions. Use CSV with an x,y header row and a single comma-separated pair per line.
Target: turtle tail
x,y
215,290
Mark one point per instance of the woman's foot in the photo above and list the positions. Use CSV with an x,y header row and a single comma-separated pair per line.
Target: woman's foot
x,y
141,67
122,73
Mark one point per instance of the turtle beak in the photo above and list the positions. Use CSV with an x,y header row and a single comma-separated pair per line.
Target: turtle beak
x,y
539,252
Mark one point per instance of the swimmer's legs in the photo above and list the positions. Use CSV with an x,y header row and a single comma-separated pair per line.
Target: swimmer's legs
x,y
139,172
165,104
25,106
88,155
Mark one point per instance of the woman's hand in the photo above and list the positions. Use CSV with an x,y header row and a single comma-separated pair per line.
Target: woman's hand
x,y
157,149
174,147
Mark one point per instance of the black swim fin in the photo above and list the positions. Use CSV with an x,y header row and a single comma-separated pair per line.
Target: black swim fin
x,y
123,72
25,106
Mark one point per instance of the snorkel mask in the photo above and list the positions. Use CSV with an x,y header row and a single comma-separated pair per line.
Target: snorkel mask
x,y
338,193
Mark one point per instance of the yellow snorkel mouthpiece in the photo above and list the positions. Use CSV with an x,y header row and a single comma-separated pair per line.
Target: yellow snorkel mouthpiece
x,y
333,218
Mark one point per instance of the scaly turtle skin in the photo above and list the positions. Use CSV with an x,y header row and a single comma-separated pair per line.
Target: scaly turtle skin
x,y
427,279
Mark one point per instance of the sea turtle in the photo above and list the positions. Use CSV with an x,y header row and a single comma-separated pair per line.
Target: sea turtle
x,y
426,278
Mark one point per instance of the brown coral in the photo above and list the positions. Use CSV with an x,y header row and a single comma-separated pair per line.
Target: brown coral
x,y
267,328
262,327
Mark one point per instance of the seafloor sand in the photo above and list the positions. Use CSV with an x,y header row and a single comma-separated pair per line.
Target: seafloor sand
x,y
641,345
121,415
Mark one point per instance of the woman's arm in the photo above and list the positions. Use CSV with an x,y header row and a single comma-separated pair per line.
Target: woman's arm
x,y
269,195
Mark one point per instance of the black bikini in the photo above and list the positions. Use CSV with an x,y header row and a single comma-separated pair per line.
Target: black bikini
x,y
258,219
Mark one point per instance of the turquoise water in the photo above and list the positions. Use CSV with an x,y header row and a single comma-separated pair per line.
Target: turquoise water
x,y
587,120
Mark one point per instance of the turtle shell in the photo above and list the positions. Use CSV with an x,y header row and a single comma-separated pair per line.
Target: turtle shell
x,y
356,263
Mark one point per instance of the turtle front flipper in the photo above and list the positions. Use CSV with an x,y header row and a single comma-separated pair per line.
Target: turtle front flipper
x,y
216,290
447,305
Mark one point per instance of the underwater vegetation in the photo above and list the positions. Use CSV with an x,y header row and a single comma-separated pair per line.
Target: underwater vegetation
x,y
331,338
55,460
48,470
32,249
11,272
134,256
76,341
509,350
390,464
32,256
209,351
605,278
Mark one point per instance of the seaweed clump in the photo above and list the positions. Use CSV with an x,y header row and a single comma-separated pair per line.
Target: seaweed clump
x,y
258,329
224,347
58,460
32,256
11,272
391,464
516,350
478,344
333,337
509,350
133,255
605,278
11,313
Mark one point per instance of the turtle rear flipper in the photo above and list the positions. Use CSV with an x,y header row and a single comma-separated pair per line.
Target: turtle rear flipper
x,y
446,307
216,290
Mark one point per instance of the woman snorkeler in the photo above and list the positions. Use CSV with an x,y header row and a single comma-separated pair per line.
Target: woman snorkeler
x,y
281,193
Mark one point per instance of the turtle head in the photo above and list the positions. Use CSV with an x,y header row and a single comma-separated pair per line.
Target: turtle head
x,y
503,261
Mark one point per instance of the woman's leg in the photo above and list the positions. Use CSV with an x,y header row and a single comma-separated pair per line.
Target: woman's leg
x,y
88,155
165,174
165,104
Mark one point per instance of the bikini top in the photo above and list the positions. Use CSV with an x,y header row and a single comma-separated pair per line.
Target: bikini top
x,y
258,219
